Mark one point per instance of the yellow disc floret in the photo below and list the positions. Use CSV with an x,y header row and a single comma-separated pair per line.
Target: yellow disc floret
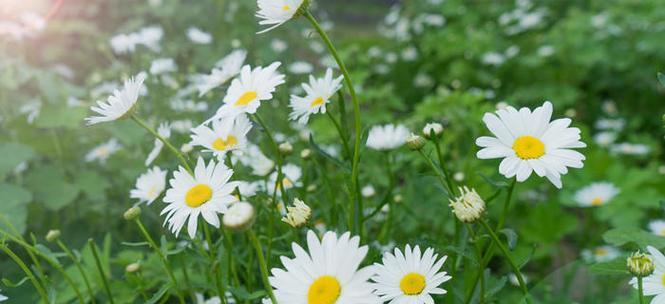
x,y
325,290
412,284
317,102
246,98
528,147
221,144
198,195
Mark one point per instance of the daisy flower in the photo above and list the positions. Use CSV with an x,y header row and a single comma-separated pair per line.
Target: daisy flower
x,y
229,134
277,12
596,194
657,227
164,130
224,70
527,141
102,152
149,186
328,273
387,137
207,193
290,178
654,284
318,93
601,254
3,298
411,277
198,36
120,103
249,89
253,157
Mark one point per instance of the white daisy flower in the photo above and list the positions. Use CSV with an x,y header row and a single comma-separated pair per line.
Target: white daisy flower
x,y
328,273
198,36
276,12
657,227
654,284
298,214
300,67
123,43
278,45
630,149
102,152
527,141
239,216
225,69
164,130
149,186
248,189
291,175
410,278
601,254
207,193
163,66
318,93
120,103
3,298
253,157
150,37
229,134
387,137
249,89
596,194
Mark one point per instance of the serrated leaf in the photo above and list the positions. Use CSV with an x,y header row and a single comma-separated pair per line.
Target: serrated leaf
x,y
623,236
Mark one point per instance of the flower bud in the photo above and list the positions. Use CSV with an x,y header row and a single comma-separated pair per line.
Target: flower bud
x,y
432,130
240,216
469,206
368,191
298,214
285,148
132,213
311,188
53,235
398,198
133,267
640,264
306,154
415,142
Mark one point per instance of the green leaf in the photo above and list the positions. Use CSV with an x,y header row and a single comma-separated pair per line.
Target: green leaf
x,y
12,155
50,187
614,267
14,207
57,116
159,294
548,223
11,284
511,237
623,236
92,185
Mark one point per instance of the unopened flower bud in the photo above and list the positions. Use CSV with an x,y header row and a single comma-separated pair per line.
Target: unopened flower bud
x,y
311,188
306,154
458,176
285,148
432,130
398,198
640,264
415,142
133,267
186,148
368,191
298,214
240,216
132,213
469,206
53,235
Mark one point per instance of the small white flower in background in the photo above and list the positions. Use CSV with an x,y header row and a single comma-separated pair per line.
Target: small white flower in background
x,y
226,135
657,227
596,194
207,193
150,37
186,147
239,216
249,89
164,130
318,93
300,67
654,285
182,126
278,45
527,141
149,186
298,214
120,103
630,149
290,178
387,137
422,80
391,58
253,157
661,170
163,66
368,191
432,128
328,273
215,300
224,70
469,206
123,43
545,51
276,12
198,36
493,58
605,138
459,176
248,189
409,54
600,254
410,277
73,102
610,107
3,298
610,124
32,109
102,152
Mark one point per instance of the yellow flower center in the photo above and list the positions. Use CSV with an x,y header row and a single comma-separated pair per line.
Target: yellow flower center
x,y
529,147
597,201
221,145
317,102
663,279
600,252
286,7
246,98
325,290
198,195
286,182
662,232
412,284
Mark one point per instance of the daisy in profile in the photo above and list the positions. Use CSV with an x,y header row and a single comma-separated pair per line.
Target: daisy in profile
x,y
596,194
318,93
120,103
411,277
164,130
277,12
327,274
207,193
601,254
149,186
290,178
388,137
224,70
657,227
249,89
226,135
527,141
102,152
654,284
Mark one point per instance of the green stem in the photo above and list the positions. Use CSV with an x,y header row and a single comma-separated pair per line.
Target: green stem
x,y
98,262
215,264
442,179
357,123
449,183
262,264
506,205
27,272
175,151
159,252
506,254
79,267
640,289
345,144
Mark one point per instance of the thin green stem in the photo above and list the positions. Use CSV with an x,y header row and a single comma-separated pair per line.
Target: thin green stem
x,y
640,289
77,263
28,273
262,264
215,264
165,262
506,254
442,179
173,149
506,205
98,262
357,123
345,144
439,153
